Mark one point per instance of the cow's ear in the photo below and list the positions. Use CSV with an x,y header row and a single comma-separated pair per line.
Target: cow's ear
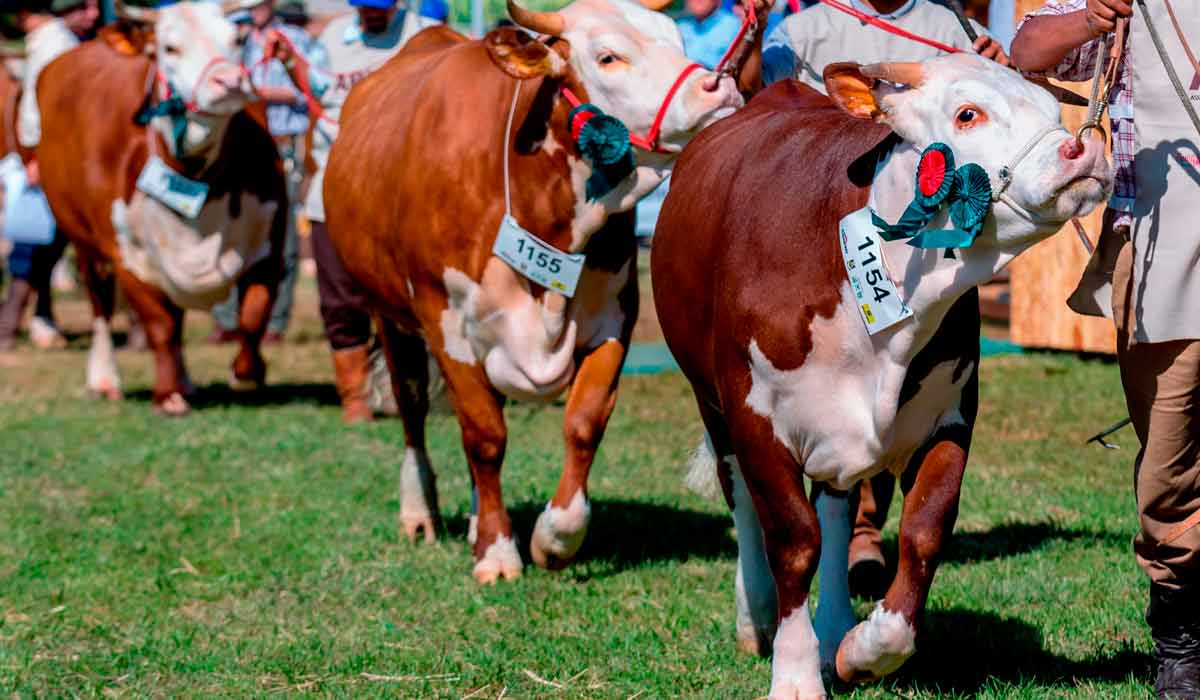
x,y
522,56
852,91
128,39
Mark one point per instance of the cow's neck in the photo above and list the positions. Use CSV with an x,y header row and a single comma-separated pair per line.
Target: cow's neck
x,y
930,280
201,143
590,215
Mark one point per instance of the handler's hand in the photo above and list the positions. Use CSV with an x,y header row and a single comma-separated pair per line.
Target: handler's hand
x,y
1102,15
761,9
988,47
277,46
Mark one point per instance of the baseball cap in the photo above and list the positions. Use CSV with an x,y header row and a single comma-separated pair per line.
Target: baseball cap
x,y
377,4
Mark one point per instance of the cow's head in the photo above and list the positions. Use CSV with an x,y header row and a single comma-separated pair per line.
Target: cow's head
x,y
987,115
196,48
627,57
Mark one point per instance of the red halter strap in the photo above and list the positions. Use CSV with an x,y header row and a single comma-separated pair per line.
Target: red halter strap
x,y
650,141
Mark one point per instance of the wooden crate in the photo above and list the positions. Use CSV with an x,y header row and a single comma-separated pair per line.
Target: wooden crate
x,y
1044,276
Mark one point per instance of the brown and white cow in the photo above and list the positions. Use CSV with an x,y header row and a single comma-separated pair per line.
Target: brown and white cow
x,y
414,195
757,305
91,155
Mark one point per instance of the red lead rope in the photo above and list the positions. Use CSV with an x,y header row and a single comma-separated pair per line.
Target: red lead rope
x,y
887,26
748,21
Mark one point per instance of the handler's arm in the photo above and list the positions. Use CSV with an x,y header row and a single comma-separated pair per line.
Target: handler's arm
x,y
1044,41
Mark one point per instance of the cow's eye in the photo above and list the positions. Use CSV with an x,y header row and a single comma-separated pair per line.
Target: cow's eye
x,y
171,50
969,117
608,59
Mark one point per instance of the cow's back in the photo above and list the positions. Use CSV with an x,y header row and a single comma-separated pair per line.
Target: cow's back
x,y
748,236
414,182
88,98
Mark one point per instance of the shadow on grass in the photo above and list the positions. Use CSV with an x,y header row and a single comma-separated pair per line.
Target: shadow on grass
x,y
218,395
625,535
1013,539
961,651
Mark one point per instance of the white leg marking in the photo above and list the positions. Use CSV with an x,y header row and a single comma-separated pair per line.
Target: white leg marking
x,y
500,560
559,532
103,379
835,614
754,587
472,528
878,646
418,495
796,668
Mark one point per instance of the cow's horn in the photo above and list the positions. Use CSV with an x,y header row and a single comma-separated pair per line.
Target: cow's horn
x,y
231,6
910,74
550,23
135,14
656,5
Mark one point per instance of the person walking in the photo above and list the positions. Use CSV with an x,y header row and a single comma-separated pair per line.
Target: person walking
x,y
1144,276
287,120
51,28
352,47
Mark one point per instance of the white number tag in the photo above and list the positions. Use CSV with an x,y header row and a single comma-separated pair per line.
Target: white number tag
x,y
172,189
533,258
879,301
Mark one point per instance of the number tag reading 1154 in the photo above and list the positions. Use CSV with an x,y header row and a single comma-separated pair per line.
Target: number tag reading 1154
x,y
536,260
879,302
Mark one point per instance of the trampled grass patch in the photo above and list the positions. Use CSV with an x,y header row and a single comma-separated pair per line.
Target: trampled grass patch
x,y
252,549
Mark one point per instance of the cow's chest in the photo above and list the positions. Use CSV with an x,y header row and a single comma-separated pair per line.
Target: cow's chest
x,y
844,414
195,261
526,344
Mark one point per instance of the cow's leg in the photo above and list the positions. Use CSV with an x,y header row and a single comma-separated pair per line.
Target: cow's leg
x,y
753,586
481,419
103,377
835,614
163,321
561,527
792,539
256,289
881,643
868,568
408,364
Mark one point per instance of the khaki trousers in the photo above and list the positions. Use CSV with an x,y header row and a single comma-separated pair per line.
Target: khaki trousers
x,y
1162,391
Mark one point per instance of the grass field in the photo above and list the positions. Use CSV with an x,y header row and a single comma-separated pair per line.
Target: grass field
x,y
251,549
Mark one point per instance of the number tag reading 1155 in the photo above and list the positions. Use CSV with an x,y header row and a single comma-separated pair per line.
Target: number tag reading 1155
x,y
536,260
879,302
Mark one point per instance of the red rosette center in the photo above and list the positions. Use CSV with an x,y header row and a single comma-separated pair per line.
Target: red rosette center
x,y
932,172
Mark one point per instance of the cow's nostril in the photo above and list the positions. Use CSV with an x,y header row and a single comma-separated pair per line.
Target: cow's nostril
x,y
711,82
1071,149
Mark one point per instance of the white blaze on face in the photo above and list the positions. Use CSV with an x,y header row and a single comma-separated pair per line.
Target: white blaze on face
x,y
629,56
987,114
196,48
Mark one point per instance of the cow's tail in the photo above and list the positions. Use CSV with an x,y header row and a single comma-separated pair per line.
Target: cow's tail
x,y
702,478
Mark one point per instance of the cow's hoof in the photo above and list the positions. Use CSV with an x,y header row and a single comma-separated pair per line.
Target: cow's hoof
x,y
105,393
876,647
174,406
559,532
755,641
500,561
414,525
246,384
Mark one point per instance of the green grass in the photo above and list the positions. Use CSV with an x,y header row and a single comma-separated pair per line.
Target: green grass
x,y
252,549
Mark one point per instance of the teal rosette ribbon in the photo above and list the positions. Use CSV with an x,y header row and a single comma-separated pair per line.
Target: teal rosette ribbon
x,y
604,142
967,191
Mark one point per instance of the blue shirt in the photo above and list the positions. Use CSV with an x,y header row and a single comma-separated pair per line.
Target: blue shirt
x,y
706,41
282,119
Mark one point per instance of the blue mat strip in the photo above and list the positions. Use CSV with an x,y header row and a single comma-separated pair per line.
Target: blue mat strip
x,y
655,358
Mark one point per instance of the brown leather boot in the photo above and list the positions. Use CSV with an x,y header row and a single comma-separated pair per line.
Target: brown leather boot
x,y
352,368
11,312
